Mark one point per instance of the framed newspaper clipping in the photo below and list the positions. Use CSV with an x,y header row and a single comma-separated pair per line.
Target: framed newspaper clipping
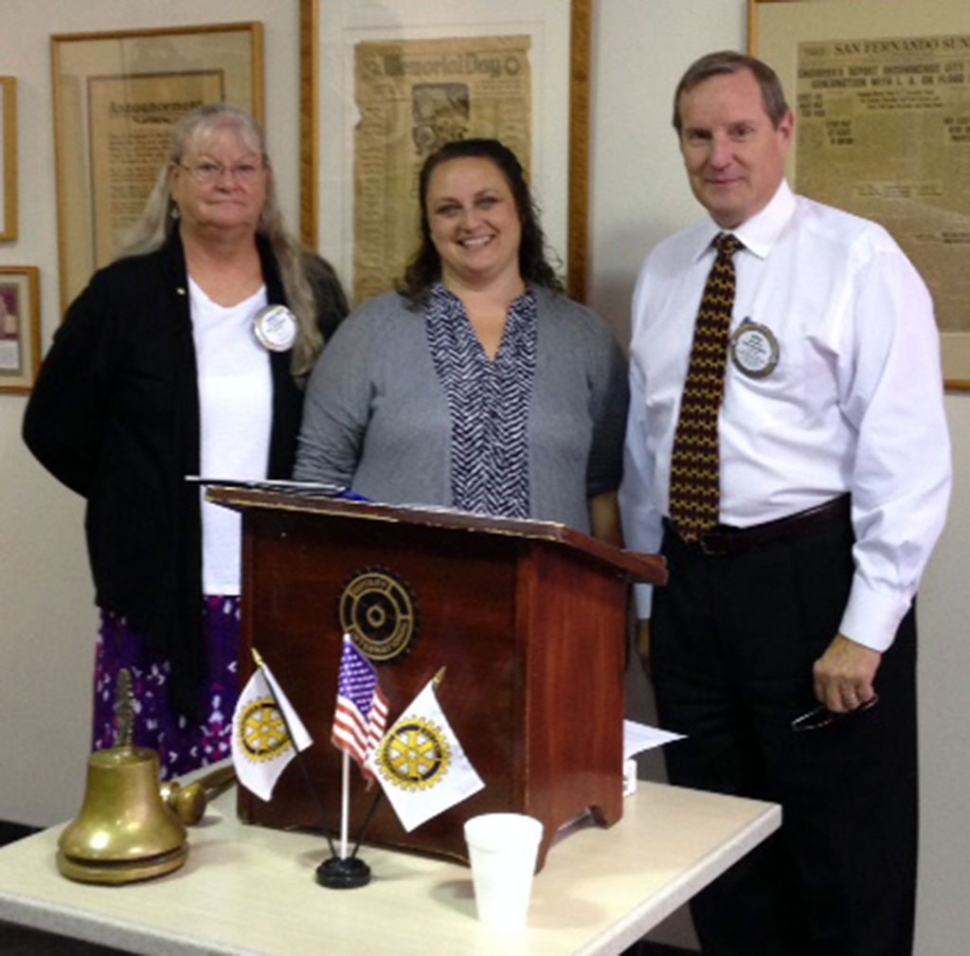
x,y
19,328
881,93
117,97
8,158
383,85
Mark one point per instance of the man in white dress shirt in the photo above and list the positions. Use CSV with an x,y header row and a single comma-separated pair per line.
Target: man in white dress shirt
x,y
834,482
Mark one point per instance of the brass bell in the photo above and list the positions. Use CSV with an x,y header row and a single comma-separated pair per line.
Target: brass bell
x,y
124,832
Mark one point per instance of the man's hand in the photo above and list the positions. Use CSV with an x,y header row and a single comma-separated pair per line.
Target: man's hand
x,y
844,675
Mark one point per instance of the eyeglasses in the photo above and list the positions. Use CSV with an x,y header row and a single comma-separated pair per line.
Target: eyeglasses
x,y
206,173
821,716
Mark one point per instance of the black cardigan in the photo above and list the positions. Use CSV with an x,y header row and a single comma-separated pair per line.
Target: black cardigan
x,y
114,415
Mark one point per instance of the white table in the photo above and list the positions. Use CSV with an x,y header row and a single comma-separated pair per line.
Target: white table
x,y
250,891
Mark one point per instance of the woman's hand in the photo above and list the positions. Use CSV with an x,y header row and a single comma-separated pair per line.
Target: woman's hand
x,y
604,516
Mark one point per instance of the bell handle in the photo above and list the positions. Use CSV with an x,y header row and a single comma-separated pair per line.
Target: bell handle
x,y
189,802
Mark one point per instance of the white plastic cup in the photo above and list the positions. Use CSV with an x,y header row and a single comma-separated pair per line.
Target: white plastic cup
x,y
503,849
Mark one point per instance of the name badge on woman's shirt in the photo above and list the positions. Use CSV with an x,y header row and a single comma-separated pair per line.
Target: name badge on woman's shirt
x,y
275,328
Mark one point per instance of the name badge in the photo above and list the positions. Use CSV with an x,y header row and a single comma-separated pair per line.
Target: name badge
x,y
754,350
275,328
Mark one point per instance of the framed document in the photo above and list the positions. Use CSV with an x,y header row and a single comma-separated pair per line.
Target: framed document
x,y
8,157
117,97
383,85
882,97
19,328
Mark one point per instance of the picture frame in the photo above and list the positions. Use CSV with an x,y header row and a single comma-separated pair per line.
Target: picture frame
x,y
8,158
117,97
556,38
881,93
19,328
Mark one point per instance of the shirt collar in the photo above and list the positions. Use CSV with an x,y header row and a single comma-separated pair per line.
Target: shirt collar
x,y
441,292
761,231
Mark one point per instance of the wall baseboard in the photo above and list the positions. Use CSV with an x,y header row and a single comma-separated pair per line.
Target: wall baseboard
x,y
659,949
9,832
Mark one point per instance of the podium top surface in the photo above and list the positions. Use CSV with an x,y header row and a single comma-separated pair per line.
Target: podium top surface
x,y
643,568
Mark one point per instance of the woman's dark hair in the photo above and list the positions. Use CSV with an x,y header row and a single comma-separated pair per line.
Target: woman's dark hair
x,y
425,268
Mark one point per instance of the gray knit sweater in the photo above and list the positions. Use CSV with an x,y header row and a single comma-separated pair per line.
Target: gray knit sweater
x,y
376,418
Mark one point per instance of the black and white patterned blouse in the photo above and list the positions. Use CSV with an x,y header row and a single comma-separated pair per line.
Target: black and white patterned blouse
x,y
489,403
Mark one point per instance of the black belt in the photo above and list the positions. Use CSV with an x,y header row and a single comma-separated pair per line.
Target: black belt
x,y
724,540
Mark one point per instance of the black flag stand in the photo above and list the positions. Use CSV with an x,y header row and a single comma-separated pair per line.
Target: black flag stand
x,y
343,872
348,873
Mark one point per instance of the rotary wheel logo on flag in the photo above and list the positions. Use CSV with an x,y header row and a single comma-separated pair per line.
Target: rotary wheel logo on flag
x,y
262,731
415,755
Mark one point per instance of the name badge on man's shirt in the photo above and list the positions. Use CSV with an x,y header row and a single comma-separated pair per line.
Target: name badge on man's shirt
x,y
754,349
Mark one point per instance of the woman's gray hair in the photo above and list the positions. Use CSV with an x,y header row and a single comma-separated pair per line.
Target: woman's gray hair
x,y
160,218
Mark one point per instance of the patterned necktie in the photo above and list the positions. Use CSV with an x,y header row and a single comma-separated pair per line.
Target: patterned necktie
x,y
695,480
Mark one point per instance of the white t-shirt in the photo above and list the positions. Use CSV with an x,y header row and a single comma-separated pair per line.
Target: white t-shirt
x,y
235,411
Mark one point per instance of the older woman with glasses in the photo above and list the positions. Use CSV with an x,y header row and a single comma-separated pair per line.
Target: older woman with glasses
x,y
186,356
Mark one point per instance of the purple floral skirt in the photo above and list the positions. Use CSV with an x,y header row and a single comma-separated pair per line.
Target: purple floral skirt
x,y
182,746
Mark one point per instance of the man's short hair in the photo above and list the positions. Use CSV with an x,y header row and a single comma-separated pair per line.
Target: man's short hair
x,y
726,63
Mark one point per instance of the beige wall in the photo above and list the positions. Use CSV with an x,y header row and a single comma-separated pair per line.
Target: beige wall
x,y
638,195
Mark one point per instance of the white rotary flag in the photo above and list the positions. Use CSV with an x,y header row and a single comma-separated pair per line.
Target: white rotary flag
x,y
421,765
261,745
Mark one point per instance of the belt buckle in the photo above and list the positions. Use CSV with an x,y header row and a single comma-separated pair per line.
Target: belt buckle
x,y
712,544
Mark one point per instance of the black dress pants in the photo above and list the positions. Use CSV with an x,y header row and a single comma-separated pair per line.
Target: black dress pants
x,y
733,643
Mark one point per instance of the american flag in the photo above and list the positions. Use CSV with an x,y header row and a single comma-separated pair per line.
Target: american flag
x,y
361,715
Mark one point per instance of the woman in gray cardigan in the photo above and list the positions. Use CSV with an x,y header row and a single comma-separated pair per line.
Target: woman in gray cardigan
x,y
479,385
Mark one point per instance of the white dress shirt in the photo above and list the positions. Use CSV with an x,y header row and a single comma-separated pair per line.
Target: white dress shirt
x,y
855,403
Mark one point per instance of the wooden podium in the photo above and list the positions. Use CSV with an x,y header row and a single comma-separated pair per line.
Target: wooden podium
x,y
528,618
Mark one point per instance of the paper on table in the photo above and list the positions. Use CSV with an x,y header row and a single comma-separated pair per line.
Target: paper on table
x,y
640,737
